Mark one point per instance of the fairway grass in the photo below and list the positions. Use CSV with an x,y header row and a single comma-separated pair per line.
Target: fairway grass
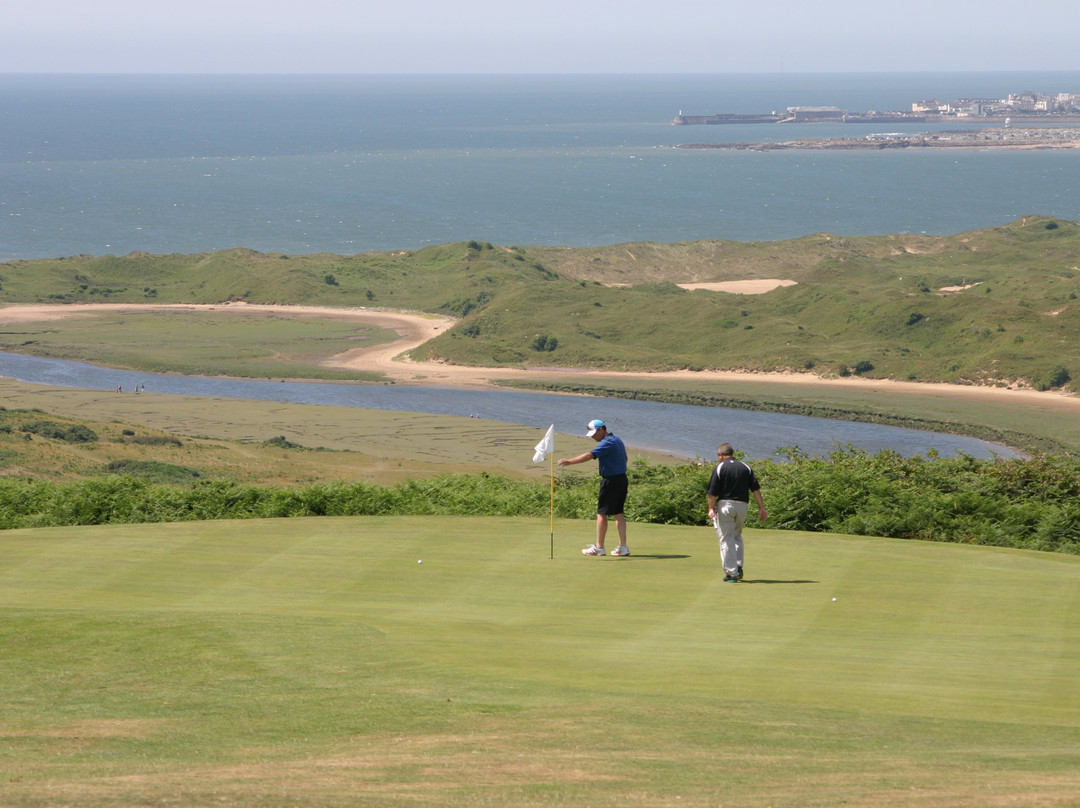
x,y
315,662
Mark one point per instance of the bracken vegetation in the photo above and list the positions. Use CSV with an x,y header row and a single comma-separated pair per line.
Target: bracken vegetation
x,y
1031,504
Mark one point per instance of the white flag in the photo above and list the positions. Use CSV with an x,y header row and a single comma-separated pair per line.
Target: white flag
x,y
546,446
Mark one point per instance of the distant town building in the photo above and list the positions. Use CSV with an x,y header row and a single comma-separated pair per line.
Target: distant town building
x,y
974,107
1067,102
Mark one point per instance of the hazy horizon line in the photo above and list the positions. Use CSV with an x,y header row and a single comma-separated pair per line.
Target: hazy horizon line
x,y
532,73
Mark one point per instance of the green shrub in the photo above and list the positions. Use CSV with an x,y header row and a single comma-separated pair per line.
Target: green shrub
x,y
282,442
156,440
545,342
1059,377
71,433
153,470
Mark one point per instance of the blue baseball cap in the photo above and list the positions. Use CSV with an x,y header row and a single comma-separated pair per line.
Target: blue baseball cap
x,y
593,426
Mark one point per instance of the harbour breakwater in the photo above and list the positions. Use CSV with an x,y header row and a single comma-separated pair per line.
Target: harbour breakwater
x,y
789,117
1024,138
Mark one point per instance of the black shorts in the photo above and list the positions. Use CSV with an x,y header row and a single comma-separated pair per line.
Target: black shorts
x,y
612,497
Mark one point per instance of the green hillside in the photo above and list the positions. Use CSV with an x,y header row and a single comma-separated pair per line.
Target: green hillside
x,y
875,306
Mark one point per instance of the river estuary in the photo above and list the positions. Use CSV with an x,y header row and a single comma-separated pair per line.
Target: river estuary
x,y
682,429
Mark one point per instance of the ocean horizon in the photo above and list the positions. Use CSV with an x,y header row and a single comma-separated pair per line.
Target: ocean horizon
x,y
113,164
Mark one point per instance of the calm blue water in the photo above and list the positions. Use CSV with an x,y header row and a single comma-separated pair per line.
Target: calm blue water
x,y
677,428
347,164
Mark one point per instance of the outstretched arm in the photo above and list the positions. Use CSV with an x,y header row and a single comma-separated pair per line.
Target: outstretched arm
x,y
581,458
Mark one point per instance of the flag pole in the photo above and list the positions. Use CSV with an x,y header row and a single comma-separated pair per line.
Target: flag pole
x,y
551,476
546,448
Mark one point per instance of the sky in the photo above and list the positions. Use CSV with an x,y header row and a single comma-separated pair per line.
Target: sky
x,y
552,36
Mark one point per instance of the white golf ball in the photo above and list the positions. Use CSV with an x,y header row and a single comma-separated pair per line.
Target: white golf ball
x,y
421,561
834,600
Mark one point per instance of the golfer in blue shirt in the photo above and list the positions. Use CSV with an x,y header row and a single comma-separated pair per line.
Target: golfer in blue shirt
x,y
611,454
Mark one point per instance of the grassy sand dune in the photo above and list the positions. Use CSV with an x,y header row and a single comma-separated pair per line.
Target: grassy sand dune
x,y
994,306
316,662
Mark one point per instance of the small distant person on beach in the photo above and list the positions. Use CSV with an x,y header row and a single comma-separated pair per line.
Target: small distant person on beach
x,y
730,487
611,454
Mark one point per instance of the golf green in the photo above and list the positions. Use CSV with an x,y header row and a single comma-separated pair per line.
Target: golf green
x,y
319,662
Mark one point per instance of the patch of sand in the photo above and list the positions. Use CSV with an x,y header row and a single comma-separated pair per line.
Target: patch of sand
x,y
750,287
415,329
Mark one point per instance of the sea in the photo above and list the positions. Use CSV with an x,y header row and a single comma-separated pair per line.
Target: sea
x,y
344,164
112,164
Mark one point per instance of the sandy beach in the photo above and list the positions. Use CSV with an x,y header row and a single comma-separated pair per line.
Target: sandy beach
x,y
414,329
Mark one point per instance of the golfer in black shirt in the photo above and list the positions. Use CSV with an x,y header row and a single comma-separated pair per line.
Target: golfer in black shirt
x,y
730,487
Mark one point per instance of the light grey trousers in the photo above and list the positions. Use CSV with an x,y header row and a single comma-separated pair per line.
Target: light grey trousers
x,y
729,520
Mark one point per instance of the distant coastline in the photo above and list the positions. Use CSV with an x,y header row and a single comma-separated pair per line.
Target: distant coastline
x,y
1032,138
1032,107
810,115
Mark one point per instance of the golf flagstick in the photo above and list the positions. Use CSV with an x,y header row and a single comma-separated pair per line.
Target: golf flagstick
x,y
546,448
551,476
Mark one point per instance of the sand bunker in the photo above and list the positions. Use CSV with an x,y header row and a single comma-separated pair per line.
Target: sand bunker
x,y
753,287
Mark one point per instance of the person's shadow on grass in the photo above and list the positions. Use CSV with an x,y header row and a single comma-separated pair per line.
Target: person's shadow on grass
x,y
668,556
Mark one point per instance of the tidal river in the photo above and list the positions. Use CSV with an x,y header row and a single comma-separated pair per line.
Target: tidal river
x,y
678,428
